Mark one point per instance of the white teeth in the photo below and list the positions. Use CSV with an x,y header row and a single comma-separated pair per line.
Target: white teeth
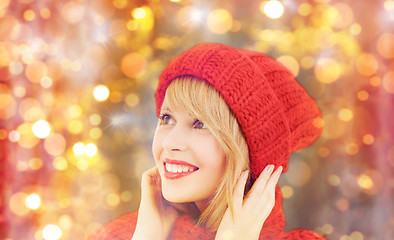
x,y
175,168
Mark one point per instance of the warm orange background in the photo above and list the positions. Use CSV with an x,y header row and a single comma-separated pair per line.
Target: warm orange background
x,y
77,111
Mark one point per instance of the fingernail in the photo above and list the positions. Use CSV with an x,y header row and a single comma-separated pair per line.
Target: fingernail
x,y
279,170
245,174
270,168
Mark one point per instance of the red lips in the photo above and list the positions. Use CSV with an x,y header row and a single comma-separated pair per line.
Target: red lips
x,y
177,175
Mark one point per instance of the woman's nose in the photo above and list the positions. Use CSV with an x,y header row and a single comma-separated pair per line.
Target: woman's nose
x,y
175,140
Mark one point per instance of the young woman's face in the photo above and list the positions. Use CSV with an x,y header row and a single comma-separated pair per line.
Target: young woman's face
x,y
190,160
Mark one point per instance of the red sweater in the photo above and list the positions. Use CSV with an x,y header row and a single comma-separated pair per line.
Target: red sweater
x,y
184,228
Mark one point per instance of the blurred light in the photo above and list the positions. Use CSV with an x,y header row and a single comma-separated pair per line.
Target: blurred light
x,y
65,222
46,82
90,149
113,199
388,5
75,126
196,16
29,15
132,25
334,180
365,181
219,21
73,11
55,144
375,81
17,204
305,9
45,13
19,91
95,119
33,201
16,68
368,139
327,70
352,148
101,93
132,100
356,235
35,71
287,191
187,19
355,29
362,95
35,163
134,65
388,81
367,64
385,45
345,114
342,204
95,133
120,4
344,16
291,63
41,129
273,9
75,111
60,163
65,202
126,196
307,62
14,136
324,152
328,229
176,1
79,148
51,232
139,13
82,164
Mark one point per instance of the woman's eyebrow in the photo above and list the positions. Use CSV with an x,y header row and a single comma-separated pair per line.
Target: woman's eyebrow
x,y
166,109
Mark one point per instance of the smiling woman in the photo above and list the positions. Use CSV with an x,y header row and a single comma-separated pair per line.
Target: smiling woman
x,y
227,118
193,129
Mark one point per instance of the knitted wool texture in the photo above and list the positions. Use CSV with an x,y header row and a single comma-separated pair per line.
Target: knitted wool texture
x,y
276,114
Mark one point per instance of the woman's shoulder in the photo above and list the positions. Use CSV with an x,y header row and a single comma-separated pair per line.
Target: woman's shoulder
x,y
120,228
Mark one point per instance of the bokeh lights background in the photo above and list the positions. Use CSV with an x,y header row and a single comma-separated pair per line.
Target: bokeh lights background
x,y
77,112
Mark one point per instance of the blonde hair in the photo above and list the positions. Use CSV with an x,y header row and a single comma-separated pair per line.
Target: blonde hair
x,y
202,100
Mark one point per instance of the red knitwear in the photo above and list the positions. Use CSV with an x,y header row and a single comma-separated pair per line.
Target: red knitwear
x,y
185,228
276,115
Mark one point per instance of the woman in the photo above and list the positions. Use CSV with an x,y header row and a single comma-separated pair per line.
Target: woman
x,y
227,119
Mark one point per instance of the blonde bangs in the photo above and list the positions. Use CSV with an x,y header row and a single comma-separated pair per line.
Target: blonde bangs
x,y
203,101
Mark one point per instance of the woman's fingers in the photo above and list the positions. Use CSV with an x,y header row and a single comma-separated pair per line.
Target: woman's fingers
x,y
264,185
239,190
259,185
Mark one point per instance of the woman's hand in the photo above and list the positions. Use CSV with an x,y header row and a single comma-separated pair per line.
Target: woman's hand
x,y
250,213
155,216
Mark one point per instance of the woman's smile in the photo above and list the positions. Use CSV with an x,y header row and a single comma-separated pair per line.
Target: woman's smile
x,y
174,169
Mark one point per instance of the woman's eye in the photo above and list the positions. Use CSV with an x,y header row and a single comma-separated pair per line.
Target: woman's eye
x,y
199,125
165,119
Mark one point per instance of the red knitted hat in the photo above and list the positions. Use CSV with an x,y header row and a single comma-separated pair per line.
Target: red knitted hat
x,y
275,112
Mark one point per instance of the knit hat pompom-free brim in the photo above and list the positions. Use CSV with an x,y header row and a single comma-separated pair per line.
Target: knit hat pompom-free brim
x,y
276,114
